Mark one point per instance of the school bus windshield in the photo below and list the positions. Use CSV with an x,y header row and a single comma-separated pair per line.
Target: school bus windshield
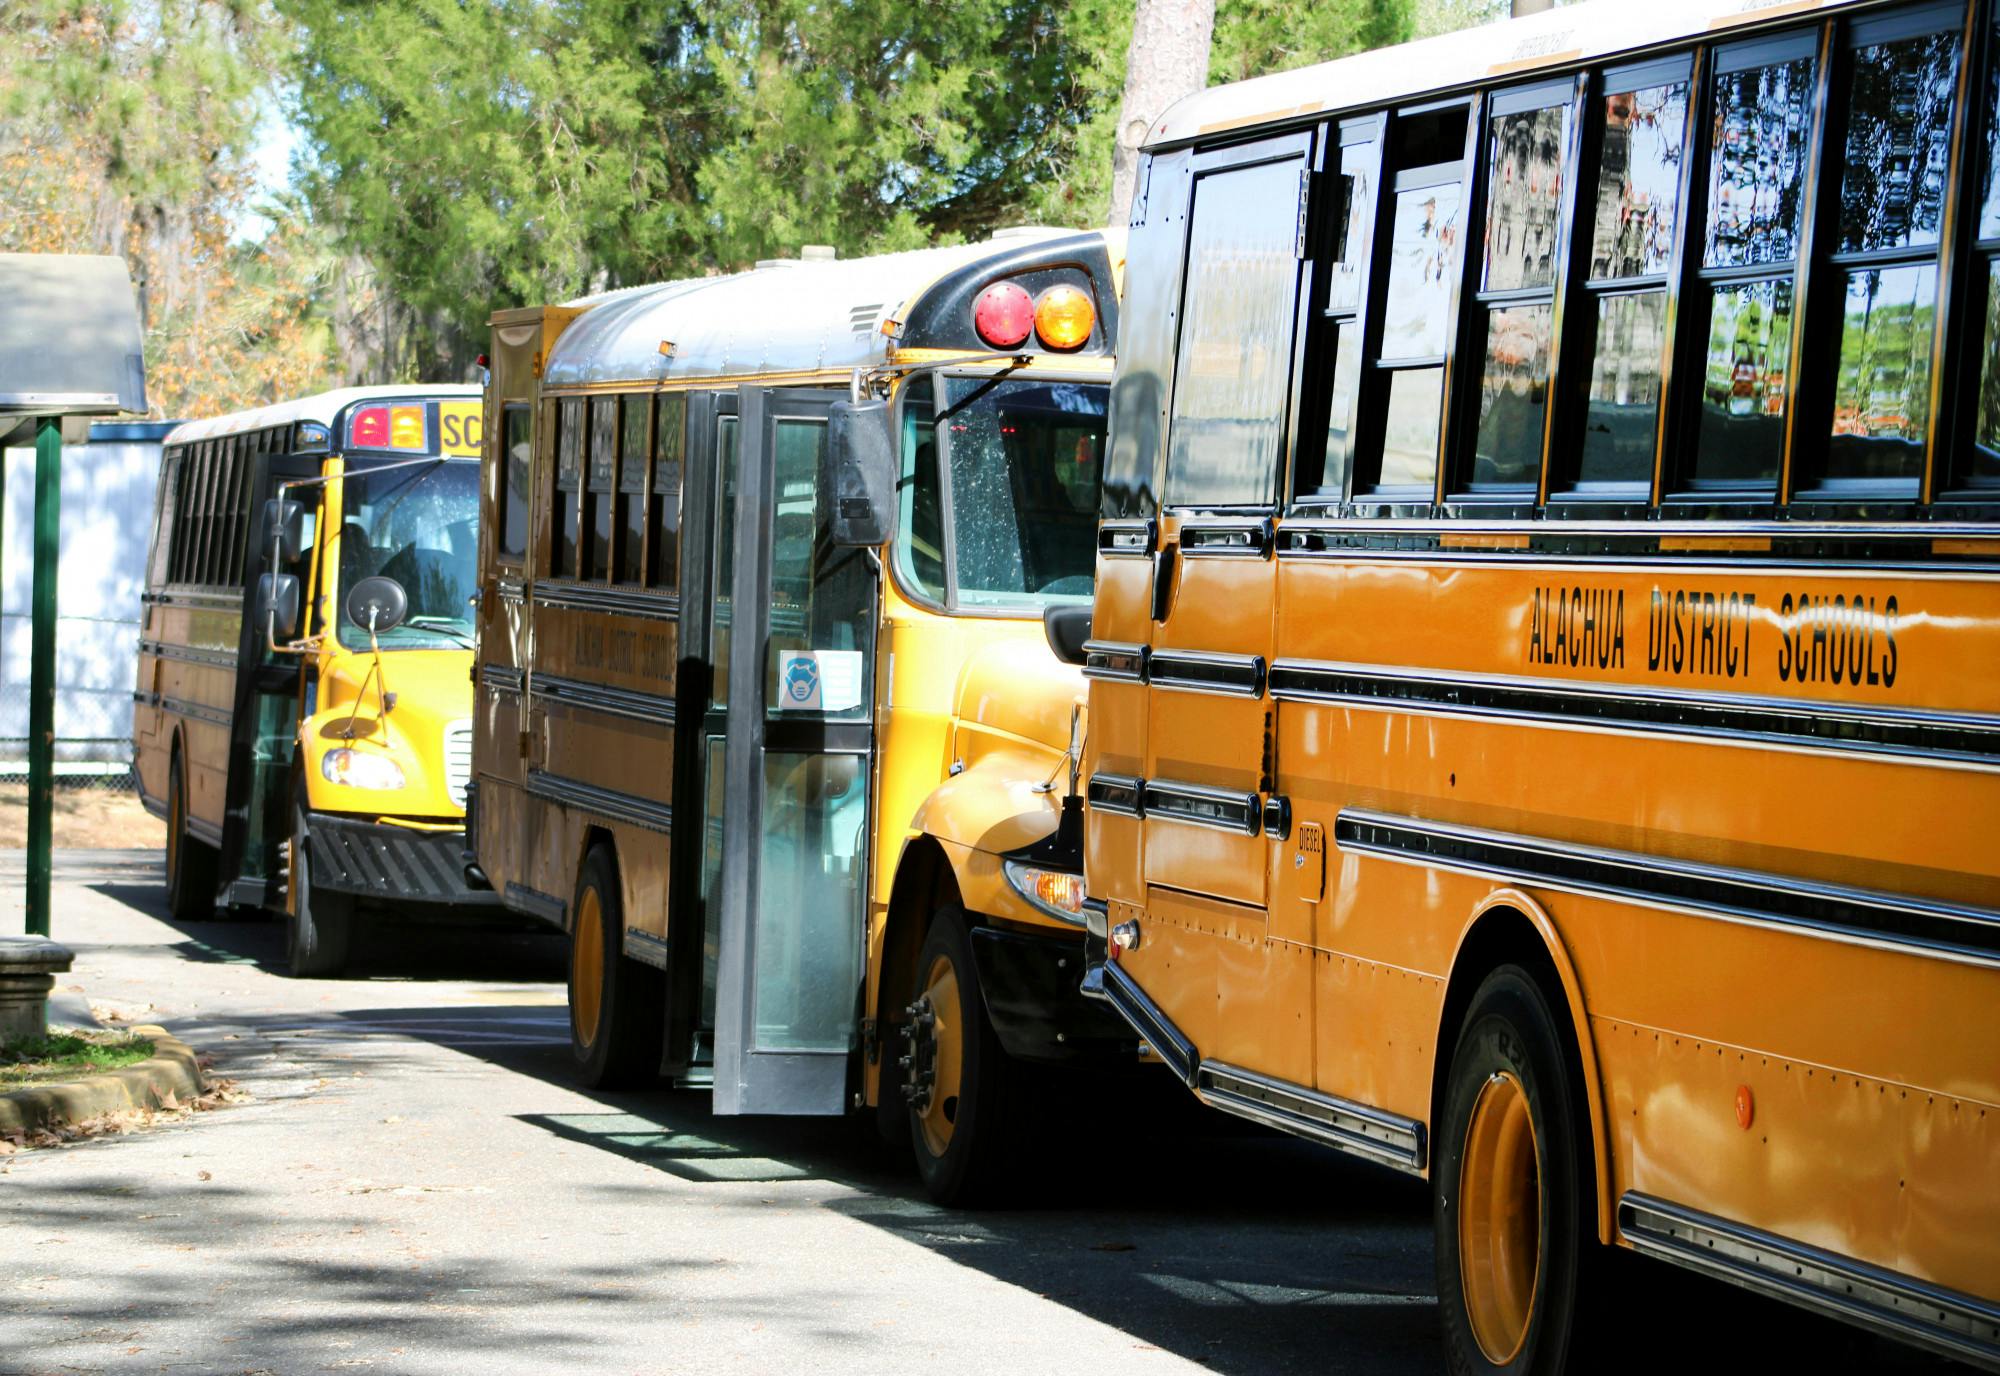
x,y
1025,457
420,526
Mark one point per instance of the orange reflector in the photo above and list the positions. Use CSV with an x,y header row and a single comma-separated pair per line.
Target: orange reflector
x,y
1063,317
1746,1107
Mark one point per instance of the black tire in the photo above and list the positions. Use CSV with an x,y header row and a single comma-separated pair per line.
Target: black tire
x,y
190,863
972,1167
620,1047
319,923
1511,1051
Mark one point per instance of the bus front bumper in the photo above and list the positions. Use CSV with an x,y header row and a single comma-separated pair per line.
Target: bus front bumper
x,y
392,864
1032,985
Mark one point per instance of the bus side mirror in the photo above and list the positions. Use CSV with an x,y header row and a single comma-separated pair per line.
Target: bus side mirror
x,y
278,605
859,475
285,529
1067,628
377,604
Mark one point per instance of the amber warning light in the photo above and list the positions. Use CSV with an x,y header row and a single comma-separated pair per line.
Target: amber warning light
x,y
387,427
1005,316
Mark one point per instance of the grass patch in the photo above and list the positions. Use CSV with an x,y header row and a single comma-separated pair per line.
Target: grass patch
x,y
67,1056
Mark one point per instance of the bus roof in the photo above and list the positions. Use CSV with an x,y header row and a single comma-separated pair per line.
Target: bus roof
x,y
791,317
322,408
1507,49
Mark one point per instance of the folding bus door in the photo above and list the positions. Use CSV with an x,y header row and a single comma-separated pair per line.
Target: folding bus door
x,y
794,799
263,729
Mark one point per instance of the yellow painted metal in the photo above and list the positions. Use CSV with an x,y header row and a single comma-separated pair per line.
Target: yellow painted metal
x,y
1500,1218
586,966
947,1034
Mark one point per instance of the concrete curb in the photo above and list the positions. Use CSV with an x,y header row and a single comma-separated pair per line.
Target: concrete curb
x,y
172,1069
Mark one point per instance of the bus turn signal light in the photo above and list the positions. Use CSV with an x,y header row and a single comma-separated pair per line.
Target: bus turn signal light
x,y
1063,318
1004,315
1059,893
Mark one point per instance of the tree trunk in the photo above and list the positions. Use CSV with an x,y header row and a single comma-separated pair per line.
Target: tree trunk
x,y
1167,60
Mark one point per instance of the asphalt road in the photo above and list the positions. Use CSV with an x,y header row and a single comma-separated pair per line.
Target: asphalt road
x,y
415,1186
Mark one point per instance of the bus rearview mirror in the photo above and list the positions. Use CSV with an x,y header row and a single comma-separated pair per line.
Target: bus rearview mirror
x,y
859,477
278,604
377,604
285,529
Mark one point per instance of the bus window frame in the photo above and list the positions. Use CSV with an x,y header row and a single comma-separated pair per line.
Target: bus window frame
x,y
906,585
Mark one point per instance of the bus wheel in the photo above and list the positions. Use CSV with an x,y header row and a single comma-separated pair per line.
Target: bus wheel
x,y
1513,1188
616,1019
319,924
957,1078
190,863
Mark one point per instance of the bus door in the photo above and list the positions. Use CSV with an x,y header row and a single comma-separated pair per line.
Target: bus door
x,y
794,803
264,725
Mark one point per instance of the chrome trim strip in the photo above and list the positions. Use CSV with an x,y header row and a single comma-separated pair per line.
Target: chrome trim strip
x,y
511,589
1901,921
1858,1292
644,946
1114,660
598,697
1913,531
656,606
1207,671
1129,1001
534,903
188,654
1119,793
1221,809
180,707
1226,538
1351,1127
1096,916
605,802
1126,539
501,678
1909,733
210,601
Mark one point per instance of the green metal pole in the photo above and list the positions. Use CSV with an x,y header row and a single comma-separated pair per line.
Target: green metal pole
x,y
42,671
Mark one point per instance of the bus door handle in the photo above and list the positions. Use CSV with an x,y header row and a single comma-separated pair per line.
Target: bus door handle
x,y
1163,581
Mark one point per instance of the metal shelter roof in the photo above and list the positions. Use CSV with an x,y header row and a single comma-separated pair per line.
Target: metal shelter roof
x,y
69,337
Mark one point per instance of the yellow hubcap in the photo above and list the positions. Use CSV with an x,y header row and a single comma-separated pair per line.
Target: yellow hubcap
x,y
947,1035
586,967
1500,1218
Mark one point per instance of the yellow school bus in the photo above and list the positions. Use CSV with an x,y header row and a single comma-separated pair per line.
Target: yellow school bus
x,y
768,720
303,715
1544,723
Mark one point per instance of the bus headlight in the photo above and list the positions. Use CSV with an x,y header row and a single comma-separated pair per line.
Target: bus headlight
x,y
360,769
1055,892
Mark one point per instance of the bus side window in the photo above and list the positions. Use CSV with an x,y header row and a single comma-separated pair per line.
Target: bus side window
x,y
1514,315
562,505
635,458
160,568
1232,370
1414,299
517,431
602,464
663,558
920,523
1762,114
1643,133
1979,463
1337,332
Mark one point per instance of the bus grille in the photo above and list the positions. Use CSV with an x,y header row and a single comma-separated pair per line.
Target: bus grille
x,y
458,759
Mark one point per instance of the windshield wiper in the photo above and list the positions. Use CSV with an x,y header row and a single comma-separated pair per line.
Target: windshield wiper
x,y
432,623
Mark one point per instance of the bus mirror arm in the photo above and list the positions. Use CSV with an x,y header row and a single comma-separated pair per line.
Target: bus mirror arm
x,y
285,529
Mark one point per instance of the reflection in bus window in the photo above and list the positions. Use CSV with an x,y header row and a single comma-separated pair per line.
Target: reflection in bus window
x,y
1026,466
1989,213
420,526
633,460
1620,432
517,437
1985,463
1234,363
1882,391
821,593
1357,173
1763,117
597,501
1513,397
670,441
1638,181
1422,252
723,589
1743,388
569,465
1410,435
1524,198
1340,408
1898,143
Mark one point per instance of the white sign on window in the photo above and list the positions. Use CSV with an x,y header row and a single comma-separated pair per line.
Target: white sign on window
x,y
819,680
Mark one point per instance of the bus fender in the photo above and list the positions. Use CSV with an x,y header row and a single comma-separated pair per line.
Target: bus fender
x,y
990,810
1504,906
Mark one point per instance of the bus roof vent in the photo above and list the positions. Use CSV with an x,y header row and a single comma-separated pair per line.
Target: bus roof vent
x,y
818,253
862,318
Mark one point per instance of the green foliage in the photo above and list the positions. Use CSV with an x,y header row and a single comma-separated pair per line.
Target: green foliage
x,y
1253,37
67,1056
